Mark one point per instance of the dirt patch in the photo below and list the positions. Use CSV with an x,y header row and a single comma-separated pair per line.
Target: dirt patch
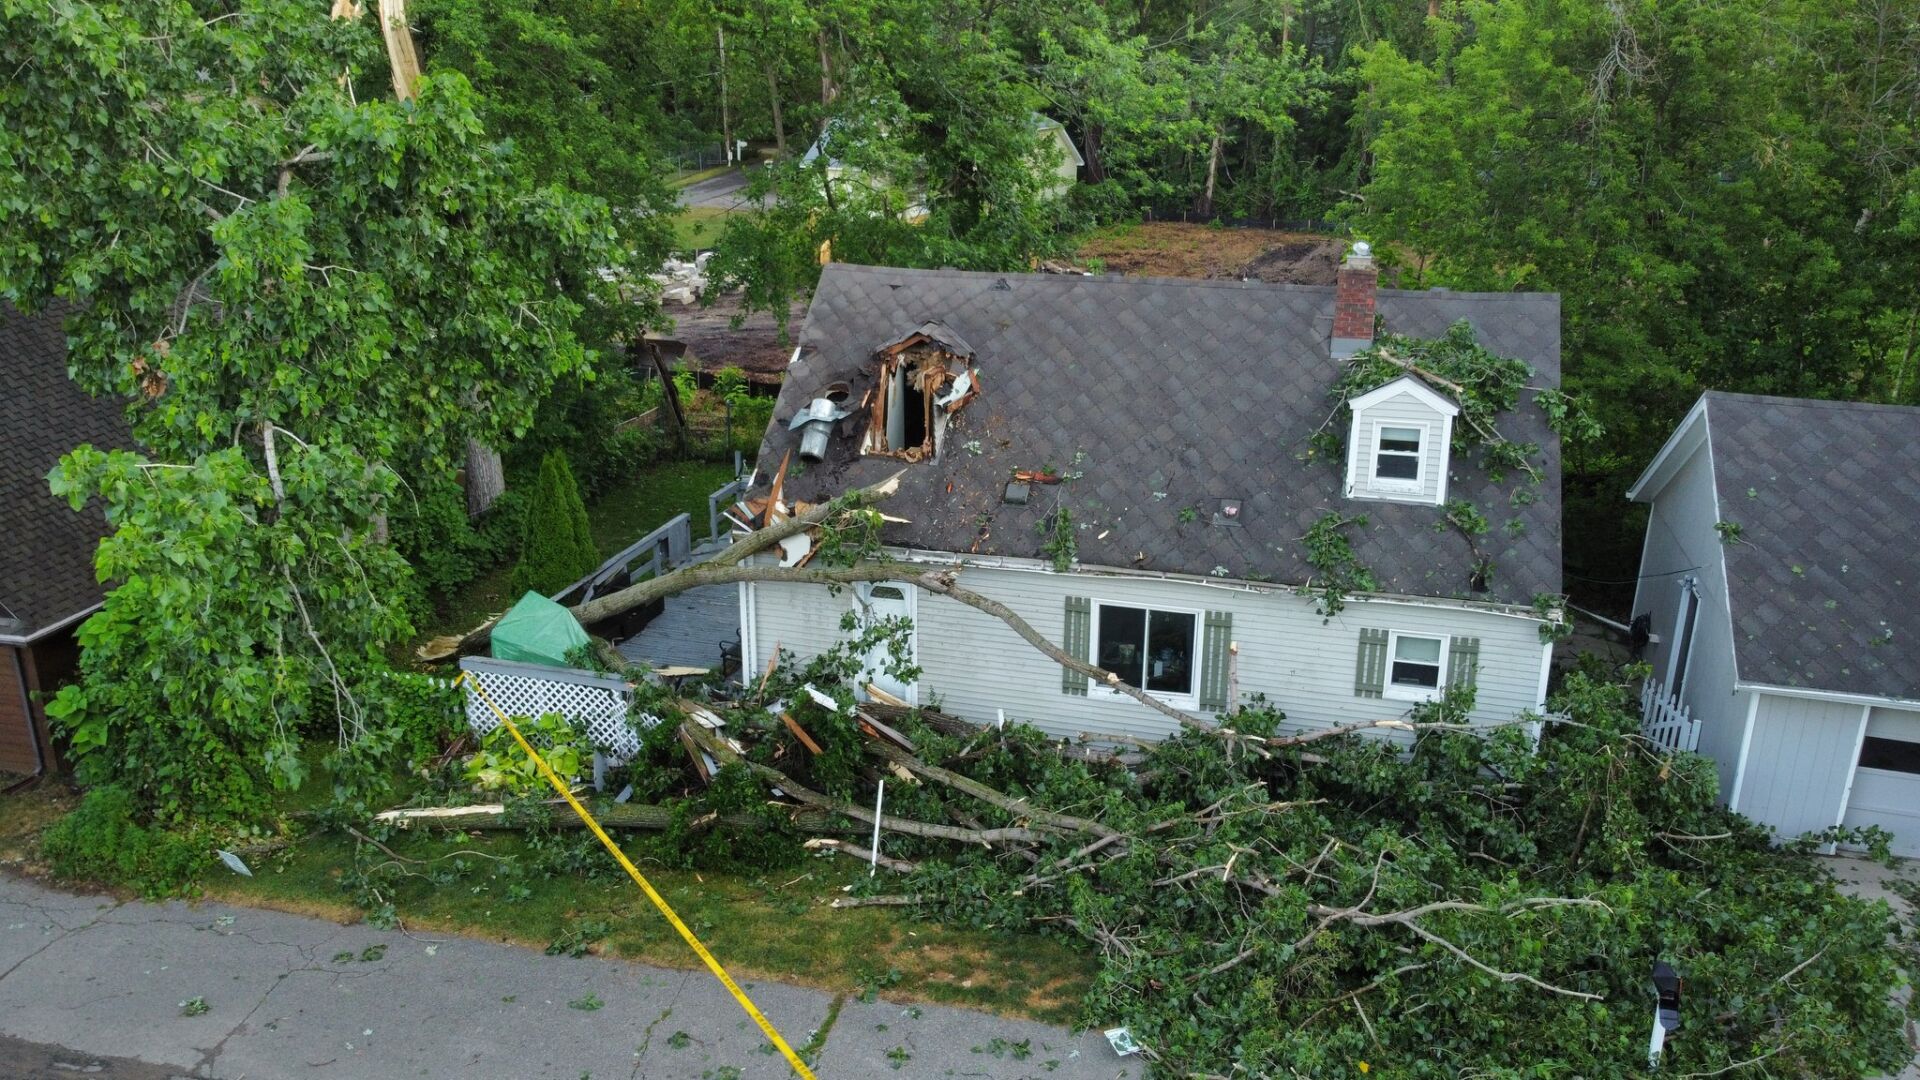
x,y
1177,249
712,341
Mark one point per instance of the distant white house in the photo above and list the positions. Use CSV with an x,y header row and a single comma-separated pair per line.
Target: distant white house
x,y
1063,163
1781,589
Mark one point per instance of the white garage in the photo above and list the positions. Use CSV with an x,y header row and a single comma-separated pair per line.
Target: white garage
x,y
1886,781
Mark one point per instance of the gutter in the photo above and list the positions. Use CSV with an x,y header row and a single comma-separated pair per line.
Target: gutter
x,y
28,639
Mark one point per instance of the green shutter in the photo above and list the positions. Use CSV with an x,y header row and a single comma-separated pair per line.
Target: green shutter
x,y
1463,660
1077,641
1370,671
1216,665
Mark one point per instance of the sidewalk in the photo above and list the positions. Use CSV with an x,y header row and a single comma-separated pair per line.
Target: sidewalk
x,y
290,996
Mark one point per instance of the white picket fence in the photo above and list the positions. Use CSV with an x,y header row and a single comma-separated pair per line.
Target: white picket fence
x,y
1666,721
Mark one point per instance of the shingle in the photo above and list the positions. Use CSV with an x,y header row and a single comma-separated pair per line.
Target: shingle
x,y
46,549
1202,390
1822,579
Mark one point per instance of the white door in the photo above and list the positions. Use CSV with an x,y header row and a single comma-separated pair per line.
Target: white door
x,y
883,601
1886,786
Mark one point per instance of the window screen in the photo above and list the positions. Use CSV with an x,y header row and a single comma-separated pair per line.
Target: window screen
x,y
1152,650
1398,454
1416,662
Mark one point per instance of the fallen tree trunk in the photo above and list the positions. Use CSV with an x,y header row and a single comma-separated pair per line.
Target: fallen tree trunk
x,y
493,817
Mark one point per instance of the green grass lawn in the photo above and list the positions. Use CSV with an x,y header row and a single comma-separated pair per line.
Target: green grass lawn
x,y
774,925
619,517
698,227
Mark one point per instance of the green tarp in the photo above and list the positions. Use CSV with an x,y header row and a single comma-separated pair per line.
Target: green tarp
x,y
537,631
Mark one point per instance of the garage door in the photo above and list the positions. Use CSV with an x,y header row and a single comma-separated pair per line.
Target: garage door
x,y
1886,787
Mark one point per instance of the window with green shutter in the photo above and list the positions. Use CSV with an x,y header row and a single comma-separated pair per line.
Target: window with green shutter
x,y
1076,641
1370,669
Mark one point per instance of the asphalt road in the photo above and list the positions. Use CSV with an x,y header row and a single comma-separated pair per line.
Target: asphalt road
x,y
726,191
90,981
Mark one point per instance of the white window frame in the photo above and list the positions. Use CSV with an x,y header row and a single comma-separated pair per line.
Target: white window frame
x,y
1190,700
1397,485
1391,689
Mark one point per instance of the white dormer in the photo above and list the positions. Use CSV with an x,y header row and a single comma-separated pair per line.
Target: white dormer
x,y
1397,449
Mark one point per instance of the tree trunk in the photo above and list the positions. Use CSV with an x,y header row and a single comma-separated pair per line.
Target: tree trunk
x,y
1205,207
613,815
828,91
486,477
726,116
779,125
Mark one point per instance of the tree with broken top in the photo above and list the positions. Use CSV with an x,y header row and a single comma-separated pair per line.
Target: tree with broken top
x,y
1268,900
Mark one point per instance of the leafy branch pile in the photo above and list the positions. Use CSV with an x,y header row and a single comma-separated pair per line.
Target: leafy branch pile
x,y
1301,904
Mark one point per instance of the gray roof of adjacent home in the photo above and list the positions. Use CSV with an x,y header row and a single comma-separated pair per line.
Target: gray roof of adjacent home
x,y
46,549
1822,580
1165,396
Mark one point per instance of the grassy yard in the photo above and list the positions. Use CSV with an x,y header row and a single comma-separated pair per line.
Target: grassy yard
x,y
618,518
698,227
774,925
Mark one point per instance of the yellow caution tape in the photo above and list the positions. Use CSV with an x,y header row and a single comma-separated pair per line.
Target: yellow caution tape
x,y
766,1026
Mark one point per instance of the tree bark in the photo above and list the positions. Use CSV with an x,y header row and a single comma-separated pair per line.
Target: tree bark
x,y
828,91
493,817
1205,209
779,124
726,116
486,477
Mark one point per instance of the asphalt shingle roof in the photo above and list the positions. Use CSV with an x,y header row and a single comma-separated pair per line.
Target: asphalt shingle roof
x,y
1165,395
1823,581
46,550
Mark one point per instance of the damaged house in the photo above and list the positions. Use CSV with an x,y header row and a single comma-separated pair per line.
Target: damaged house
x,y
1141,469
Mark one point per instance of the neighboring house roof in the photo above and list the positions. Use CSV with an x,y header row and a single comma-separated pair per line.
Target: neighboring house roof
x,y
1043,124
46,550
1165,395
1822,580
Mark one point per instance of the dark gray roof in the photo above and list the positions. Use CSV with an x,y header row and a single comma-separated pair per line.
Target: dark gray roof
x,y
46,550
1165,395
1823,581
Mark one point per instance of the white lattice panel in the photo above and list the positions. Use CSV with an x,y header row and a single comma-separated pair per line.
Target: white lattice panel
x,y
597,703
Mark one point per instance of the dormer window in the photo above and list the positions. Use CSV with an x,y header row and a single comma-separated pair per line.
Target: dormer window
x,y
1396,455
1397,447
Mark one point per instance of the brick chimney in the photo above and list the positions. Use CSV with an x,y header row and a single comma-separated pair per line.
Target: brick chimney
x,y
1353,302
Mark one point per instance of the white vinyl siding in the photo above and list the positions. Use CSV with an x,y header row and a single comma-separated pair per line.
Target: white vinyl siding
x,y
975,666
1798,761
1681,542
1402,410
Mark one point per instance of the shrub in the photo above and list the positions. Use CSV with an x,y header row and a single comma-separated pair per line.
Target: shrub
x,y
557,548
101,841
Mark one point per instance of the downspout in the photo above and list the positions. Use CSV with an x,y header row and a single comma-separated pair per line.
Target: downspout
x,y
33,729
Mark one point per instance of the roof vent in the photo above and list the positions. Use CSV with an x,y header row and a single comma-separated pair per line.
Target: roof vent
x,y
815,424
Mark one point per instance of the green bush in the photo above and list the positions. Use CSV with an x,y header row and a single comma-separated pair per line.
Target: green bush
x,y
101,841
558,545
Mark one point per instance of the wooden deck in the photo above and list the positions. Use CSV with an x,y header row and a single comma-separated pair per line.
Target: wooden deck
x,y
693,629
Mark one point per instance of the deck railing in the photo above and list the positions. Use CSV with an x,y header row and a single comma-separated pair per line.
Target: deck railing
x,y
1665,720
724,496
653,554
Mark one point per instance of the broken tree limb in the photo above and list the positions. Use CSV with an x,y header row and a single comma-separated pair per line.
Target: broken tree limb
x,y
899,866
799,792
1017,807
492,817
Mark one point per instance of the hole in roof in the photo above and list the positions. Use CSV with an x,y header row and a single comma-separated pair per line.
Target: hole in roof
x,y
837,392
